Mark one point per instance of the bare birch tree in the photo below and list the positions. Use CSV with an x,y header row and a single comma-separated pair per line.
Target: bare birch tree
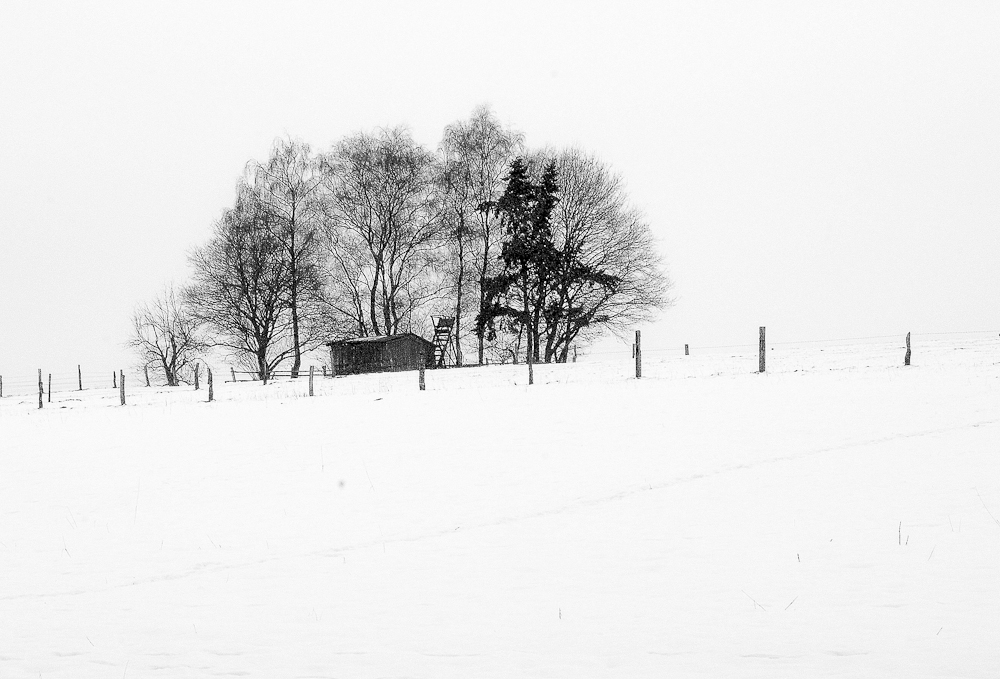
x,y
384,230
165,336
476,154
239,286
288,187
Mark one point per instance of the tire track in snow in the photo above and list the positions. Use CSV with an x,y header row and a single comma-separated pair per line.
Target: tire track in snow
x,y
604,499
216,567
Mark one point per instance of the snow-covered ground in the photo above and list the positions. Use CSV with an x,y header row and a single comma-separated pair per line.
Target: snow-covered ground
x,y
836,516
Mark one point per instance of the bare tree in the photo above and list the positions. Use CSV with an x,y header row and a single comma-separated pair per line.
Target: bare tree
x,y
288,187
609,274
383,225
239,286
165,336
475,157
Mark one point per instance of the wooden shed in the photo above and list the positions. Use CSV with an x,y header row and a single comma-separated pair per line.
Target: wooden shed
x,y
380,354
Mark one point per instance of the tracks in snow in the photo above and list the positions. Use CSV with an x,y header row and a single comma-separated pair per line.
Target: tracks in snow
x,y
577,505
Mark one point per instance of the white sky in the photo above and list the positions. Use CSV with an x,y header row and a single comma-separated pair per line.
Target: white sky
x,y
825,169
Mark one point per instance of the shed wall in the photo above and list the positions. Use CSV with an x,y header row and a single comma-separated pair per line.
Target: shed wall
x,y
402,353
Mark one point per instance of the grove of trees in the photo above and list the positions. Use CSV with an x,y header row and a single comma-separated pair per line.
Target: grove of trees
x,y
533,252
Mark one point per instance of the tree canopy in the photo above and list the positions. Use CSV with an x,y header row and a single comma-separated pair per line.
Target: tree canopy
x,y
542,250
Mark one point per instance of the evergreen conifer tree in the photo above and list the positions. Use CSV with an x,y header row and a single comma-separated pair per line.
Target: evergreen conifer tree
x,y
520,291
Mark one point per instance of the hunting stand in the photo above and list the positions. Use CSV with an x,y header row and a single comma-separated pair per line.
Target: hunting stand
x,y
445,352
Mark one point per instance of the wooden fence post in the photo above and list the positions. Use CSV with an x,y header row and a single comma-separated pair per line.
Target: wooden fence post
x,y
638,354
1,386
145,370
423,385
531,360
312,370
211,389
121,386
40,388
49,395
197,369
79,377
762,349
233,370
574,354
906,359
114,380
686,352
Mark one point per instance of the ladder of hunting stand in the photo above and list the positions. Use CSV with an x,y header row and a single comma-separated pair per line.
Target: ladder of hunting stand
x,y
442,338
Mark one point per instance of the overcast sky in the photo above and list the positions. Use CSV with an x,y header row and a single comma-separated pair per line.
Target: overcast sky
x,y
824,169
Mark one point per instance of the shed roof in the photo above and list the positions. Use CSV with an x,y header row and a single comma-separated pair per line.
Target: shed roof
x,y
382,339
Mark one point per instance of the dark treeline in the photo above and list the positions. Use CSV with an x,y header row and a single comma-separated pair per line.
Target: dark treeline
x,y
529,250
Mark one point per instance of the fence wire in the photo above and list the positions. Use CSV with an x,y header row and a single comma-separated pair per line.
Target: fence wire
x,y
939,350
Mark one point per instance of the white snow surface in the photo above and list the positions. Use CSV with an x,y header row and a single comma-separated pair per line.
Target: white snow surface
x,y
835,516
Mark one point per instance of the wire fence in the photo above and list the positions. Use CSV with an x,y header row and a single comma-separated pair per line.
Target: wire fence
x,y
65,382
938,350
846,341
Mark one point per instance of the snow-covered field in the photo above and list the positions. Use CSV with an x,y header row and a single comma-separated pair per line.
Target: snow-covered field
x,y
836,516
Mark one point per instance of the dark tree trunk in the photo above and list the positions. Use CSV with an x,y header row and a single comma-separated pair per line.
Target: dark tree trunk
x,y
294,290
527,316
389,326
458,295
262,368
168,373
373,310
482,298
